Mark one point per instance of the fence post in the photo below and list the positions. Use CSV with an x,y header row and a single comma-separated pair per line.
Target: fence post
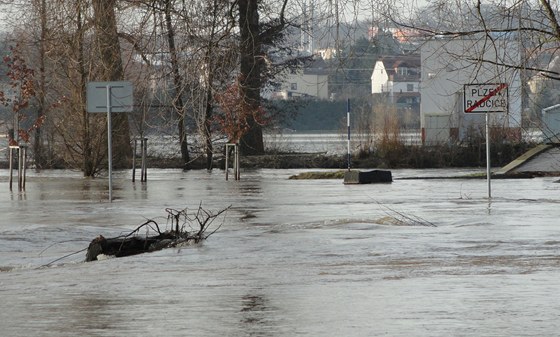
x,y
134,161
143,160
144,169
21,166
23,149
236,170
11,168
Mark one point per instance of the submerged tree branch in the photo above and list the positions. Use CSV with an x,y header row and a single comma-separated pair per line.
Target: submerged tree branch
x,y
183,231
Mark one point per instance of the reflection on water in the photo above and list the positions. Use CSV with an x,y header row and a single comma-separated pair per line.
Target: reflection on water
x,y
292,258
91,314
256,315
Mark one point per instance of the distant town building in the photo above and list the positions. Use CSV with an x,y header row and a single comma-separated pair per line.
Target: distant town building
x,y
398,77
450,64
327,53
403,35
309,81
544,98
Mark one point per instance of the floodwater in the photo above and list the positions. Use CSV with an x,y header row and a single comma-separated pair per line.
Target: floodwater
x,y
330,142
292,258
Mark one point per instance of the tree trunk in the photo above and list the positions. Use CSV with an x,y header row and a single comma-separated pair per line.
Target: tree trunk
x,y
88,166
251,59
212,67
111,69
207,130
178,104
38,150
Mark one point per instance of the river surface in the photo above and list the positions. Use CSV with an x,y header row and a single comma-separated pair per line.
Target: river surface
x,y
292,258
330,142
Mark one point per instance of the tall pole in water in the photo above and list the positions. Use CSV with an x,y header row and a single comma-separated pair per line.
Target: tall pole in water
x,y
109,97
109,143
488,169
348,124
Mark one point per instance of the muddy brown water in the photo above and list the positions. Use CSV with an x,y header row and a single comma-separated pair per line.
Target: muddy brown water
x,y
310,258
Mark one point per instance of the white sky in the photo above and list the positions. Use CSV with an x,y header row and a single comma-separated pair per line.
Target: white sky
x,y
408,3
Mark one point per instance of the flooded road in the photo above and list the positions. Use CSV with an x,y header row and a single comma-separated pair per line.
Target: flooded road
x,y
310,258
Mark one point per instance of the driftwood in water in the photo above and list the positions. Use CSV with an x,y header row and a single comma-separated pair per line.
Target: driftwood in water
x,y
119,246
181,233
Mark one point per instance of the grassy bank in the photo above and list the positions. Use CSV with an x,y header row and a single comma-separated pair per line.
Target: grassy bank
x,y
385,158
394,157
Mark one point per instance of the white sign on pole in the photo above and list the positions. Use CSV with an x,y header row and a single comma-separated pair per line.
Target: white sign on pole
x,y
484,98
121,96
109,97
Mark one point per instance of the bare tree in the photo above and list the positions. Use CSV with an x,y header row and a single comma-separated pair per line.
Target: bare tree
x,y
534,25
64,50
199,55
111,69
178,104
40,160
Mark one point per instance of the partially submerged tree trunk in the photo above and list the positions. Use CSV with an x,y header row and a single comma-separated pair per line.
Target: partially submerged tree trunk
x,y
120,247
89,166
178,103
251,59
111,69
207,130
181,233
38,148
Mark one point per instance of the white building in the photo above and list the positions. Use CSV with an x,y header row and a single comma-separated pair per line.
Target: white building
x,y
309,81
398,77
450,64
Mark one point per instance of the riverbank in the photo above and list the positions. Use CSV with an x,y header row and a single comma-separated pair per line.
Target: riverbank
x,y
395,157
389,157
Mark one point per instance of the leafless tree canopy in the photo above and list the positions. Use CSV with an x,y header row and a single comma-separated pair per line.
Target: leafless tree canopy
x,y
180,54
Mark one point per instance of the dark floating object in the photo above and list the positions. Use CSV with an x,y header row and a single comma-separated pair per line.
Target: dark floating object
x,y
367,177
183,232
120,246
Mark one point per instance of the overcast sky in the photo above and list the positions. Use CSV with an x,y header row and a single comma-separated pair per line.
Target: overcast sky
x,y
408,3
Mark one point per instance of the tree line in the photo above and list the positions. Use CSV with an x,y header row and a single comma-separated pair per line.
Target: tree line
x,y
199,68
182,57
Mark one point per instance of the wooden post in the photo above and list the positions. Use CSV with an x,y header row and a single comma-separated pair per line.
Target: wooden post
x,y
227,160
143,160
24,167
21,166
144,169
11,148
134,161
236,170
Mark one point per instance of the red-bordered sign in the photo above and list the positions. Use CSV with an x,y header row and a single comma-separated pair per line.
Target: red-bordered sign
x,y
484,98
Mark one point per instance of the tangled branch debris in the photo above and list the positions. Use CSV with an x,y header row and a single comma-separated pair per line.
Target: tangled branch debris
x,y
397,218
182,232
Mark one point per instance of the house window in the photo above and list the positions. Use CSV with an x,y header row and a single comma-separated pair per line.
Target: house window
x,y
403,71
293,86
410,87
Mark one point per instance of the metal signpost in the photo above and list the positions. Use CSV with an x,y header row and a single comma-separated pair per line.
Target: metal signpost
x,y
109,97
486,98
348,124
